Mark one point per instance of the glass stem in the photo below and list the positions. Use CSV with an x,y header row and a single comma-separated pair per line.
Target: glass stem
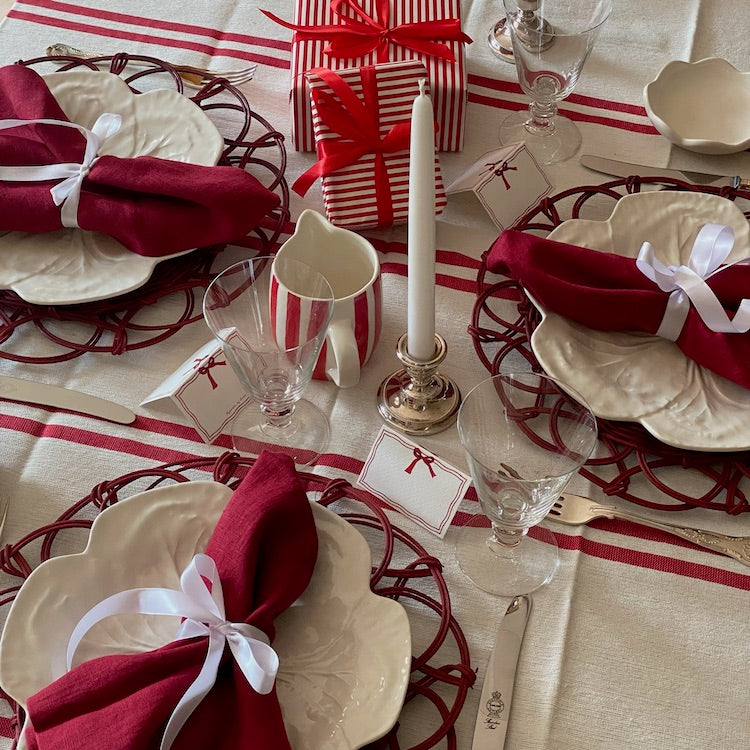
x,y
542,120
277,416
507,537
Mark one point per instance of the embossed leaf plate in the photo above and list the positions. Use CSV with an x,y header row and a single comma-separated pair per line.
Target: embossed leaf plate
x,y
72,266
637,377
345,653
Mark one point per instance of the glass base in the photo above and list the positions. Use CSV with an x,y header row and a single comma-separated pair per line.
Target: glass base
x,y
500,42
506,571
559,145
304,438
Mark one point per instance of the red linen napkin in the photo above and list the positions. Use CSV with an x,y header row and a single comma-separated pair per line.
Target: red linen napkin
x,y
607,292
265,547
152,206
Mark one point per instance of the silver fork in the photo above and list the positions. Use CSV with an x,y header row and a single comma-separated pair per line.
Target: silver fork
x,y
193,77
576,510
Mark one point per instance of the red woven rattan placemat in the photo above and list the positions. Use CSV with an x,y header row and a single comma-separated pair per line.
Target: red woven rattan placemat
x,y
402,570
634,465
129,321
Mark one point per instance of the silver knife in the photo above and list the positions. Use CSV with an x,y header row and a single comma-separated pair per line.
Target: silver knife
x,y
30,392
497,690
625,169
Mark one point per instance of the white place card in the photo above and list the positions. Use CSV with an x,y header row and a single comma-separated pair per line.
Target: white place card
x,y
413,481
507,181
205,389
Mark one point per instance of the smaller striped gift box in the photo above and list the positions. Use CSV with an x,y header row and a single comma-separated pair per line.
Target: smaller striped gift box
x,y
362,120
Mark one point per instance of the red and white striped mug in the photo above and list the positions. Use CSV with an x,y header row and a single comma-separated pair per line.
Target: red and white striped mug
x,y
351,266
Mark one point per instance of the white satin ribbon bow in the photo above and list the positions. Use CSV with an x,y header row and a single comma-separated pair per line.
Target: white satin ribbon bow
x,y
68,192
203,609
687,284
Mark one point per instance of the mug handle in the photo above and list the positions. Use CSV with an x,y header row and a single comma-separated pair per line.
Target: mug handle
x,y
345,370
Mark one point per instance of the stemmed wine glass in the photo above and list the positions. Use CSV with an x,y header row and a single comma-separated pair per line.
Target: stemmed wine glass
x,y
524,437
549,61
271,316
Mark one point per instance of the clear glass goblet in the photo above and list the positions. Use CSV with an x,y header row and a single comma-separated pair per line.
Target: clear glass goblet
x,y
524,436
271,316
549,63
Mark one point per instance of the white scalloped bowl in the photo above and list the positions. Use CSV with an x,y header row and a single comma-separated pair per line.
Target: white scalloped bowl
x,y
702,106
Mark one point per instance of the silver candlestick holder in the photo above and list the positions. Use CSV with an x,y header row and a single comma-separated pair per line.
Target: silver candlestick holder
x,y
532,31
417,399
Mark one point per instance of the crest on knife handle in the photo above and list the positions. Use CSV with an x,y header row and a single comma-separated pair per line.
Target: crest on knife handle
x,y
495,708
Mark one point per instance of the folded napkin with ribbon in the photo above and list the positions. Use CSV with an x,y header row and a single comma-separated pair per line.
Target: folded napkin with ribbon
x,y
701,306
192,692
52,176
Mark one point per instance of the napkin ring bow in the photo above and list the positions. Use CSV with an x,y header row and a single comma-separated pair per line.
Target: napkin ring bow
x,y
201,604
67,193
687,284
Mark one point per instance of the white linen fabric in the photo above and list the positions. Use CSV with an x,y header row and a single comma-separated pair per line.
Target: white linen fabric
x,y
641,642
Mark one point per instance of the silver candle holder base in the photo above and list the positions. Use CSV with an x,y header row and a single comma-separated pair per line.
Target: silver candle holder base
x,y
418,400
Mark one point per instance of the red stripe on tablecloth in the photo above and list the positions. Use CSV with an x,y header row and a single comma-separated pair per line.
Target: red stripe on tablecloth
x,y
157,40
653,561
639,559
351,465
587,101
155,23
79,436
634,127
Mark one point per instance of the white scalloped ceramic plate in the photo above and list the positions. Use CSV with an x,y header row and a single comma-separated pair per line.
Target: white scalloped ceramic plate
x,y
702,106
345,653
71,266
638,377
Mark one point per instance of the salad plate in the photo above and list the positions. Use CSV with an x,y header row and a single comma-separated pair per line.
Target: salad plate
x,y
72,266
638,377
345,653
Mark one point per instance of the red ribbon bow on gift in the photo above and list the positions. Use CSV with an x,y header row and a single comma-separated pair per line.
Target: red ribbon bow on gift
x,y
354,38
358,124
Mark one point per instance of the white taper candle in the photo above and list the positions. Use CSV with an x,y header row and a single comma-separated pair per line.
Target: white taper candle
x,y
421,231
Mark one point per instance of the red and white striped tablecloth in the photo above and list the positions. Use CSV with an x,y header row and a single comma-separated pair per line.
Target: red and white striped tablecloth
x,y
641,641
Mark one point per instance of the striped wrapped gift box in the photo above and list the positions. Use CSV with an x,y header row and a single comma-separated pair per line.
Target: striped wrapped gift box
x,y
349,33
362,119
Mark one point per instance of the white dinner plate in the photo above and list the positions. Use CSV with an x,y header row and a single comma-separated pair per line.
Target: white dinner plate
x,y
638,377
345,653
72,266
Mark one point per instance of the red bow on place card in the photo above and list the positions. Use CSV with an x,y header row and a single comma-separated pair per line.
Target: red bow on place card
x,y
701,306
52,176
264,549
362,128
353,33
413,481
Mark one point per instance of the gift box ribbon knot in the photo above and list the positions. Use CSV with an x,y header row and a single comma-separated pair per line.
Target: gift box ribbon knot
x,y
358,124
360,33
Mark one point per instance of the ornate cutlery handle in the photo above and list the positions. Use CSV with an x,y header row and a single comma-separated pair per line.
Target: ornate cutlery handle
x,y
737,547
